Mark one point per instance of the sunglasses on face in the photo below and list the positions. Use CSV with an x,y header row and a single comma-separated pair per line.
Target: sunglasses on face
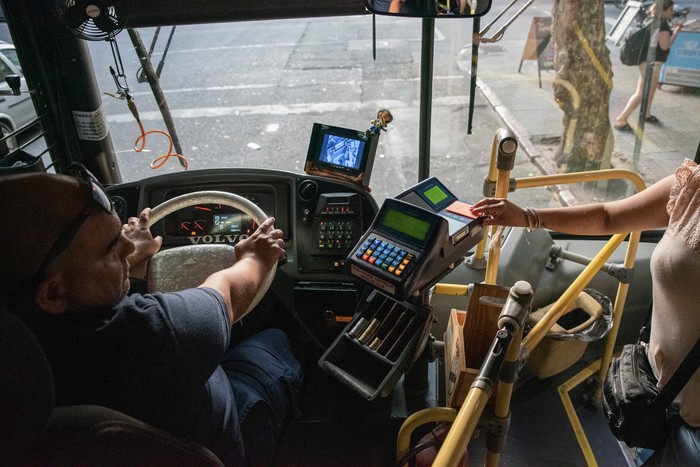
x,y
96,197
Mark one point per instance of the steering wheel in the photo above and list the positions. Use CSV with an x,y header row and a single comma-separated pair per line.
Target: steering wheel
x,y
188,266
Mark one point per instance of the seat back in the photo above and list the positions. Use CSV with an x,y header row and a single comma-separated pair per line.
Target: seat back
x,y
26,389
34,432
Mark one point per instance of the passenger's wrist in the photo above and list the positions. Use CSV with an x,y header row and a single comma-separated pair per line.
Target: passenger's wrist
x,y
532,219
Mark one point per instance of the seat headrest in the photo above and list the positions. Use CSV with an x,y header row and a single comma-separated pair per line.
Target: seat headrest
x,y
26,387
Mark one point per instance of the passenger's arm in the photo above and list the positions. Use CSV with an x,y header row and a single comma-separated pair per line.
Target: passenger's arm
x,y
395,6
255,257
666,38
642,211
145,245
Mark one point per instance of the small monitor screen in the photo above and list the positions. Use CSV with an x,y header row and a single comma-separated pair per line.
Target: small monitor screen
x,y
435,194
341,152
432,192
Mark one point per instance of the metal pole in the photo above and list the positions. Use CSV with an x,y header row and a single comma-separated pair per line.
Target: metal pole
x,y
475,58
650,69
154,82
426,97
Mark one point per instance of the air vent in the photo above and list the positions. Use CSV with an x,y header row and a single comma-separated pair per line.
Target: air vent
x,y
308,189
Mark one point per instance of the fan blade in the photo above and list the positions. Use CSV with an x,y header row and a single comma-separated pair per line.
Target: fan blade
x,y
105,22
74,16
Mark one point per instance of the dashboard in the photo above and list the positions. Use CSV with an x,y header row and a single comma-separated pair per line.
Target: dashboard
x,y
322,220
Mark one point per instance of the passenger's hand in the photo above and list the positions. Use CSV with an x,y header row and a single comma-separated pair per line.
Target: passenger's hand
x,y
266,244
497,211
138,230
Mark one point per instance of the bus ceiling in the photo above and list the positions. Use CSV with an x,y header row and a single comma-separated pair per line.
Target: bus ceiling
x,y
139,14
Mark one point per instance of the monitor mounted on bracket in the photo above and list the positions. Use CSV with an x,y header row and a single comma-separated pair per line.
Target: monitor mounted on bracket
x,y
341,153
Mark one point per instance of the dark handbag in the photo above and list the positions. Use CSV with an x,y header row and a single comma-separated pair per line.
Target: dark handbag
x,y
635,408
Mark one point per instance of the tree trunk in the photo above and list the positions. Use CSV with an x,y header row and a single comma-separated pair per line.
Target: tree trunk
x,y
583,83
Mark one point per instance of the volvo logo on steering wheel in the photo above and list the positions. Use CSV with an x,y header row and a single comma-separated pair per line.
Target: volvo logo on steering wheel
x,y
218,238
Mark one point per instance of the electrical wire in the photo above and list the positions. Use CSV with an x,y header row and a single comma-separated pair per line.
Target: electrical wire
x,y
140,143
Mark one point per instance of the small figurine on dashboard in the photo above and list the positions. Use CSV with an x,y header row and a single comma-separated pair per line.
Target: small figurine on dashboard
x,y
380,123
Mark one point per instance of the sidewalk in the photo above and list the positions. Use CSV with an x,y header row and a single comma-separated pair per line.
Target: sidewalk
x,y
528,110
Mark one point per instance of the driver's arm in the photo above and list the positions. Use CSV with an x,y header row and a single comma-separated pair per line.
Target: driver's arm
x,y
255,257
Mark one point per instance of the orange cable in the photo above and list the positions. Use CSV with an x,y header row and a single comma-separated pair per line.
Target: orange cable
x,y
159,161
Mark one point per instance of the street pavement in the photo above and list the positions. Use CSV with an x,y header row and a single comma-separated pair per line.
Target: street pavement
x,y
527,109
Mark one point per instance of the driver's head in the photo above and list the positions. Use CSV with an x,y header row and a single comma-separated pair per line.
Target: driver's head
x,y
62,249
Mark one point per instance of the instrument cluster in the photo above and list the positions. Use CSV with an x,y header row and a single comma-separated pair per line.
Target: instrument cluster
x,y
226,222
209,219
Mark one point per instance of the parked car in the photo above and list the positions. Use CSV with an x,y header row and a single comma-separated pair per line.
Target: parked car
x,y
15,111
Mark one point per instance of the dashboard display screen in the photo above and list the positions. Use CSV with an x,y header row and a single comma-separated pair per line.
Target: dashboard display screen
x,y
228,223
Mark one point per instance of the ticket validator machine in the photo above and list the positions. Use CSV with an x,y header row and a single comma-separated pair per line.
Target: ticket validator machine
x,y
416,239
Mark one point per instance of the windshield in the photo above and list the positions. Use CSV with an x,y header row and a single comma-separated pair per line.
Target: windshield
x,y
247,94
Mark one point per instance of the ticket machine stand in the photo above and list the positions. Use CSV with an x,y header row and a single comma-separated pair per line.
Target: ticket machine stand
x,y
415,240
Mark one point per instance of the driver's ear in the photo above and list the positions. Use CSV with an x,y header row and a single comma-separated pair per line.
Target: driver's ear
x,y
51,295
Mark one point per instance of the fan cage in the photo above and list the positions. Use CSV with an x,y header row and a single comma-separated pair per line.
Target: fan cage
x,y
104,26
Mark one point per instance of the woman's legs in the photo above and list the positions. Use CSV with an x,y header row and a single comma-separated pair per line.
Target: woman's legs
x,y
636,99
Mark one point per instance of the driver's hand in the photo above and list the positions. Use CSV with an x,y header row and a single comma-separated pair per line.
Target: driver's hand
x,y
138,230
265,244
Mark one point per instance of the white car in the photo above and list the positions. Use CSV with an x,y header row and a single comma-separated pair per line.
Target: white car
x,y
15,111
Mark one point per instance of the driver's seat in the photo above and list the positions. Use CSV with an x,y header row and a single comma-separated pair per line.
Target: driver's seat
x,y
34,432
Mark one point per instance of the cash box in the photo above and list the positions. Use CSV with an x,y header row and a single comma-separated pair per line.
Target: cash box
x,y
378,346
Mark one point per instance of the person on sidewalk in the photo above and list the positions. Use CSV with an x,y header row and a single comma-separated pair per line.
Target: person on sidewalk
x,y
667,36
167,359
673,203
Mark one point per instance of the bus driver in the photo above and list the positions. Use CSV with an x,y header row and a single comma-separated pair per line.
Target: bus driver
x,y
163,358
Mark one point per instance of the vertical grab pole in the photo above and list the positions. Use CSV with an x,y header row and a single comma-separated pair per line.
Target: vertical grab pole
x,y
506,146
477,261
426,97
510,324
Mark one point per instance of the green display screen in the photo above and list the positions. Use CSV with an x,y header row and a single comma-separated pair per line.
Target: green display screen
x,y
406,224
435,194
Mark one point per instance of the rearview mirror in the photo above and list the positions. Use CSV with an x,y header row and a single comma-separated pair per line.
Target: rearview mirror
x,y
429,8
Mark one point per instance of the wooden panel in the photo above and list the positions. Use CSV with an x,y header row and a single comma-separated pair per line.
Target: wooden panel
x,y
481,323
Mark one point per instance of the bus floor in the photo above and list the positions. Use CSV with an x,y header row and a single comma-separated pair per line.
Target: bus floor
x,y
540,433
337,427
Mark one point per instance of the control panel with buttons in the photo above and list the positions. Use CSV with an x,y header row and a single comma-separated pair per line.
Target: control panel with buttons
x,y
415,239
